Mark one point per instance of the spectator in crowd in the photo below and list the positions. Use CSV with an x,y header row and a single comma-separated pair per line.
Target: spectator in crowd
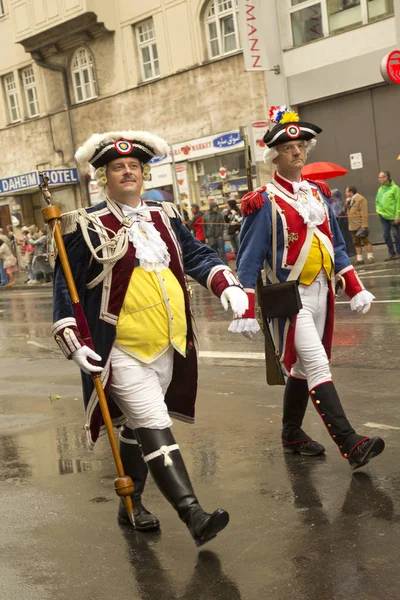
x,y
233,217
9,262
336,201
196,223
213,225
185,210
11,237
41,268
388,209
356,208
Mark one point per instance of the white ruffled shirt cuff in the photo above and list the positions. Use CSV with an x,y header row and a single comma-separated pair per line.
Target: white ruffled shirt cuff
x,y
362,301
244,326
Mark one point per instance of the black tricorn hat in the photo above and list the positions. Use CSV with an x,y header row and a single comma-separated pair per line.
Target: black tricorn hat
x,y
288,127
101,148
288,132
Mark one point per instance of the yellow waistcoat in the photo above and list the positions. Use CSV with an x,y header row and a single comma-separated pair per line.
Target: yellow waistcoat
x,y
318,258
152,317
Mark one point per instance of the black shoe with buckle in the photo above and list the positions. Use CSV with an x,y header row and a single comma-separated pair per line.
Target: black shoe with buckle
x,y
365,451
305,448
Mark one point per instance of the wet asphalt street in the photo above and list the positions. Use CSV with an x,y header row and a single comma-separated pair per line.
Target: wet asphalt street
x,y
300,528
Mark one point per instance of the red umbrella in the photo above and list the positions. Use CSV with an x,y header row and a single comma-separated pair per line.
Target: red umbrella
x,y
323,170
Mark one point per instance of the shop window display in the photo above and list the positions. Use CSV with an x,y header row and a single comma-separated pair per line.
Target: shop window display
x,y
220,176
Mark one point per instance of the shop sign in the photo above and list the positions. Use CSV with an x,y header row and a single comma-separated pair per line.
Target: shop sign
x,y
390,67
202,147
32,180
159,175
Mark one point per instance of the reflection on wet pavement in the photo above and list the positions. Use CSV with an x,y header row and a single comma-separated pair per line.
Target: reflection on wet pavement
x,y
300,527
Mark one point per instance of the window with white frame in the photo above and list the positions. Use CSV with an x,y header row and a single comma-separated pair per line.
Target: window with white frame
x,y
314,19
31,98
10,87
222,31
83,75
147,47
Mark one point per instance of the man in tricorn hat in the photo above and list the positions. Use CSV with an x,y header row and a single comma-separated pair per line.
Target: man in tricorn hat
x,y
309,249
129,260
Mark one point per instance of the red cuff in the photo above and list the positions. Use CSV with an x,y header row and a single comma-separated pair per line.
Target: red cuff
x,y
220,278
352,281
67,336
251,311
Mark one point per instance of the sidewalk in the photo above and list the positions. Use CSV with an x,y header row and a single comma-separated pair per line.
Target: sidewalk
x,y
380,253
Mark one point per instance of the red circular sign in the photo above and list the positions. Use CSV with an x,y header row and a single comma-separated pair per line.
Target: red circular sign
x,y
390,67
222,172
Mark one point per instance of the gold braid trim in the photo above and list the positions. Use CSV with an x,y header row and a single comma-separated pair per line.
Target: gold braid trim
x,y
170,209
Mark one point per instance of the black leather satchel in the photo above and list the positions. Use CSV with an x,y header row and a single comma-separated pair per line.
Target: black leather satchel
x,y
280,300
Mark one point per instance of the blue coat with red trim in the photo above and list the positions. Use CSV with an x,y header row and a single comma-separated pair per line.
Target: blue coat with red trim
x,y
102,304
294,241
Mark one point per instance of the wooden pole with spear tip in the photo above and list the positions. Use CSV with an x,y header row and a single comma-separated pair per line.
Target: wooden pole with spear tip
x,y
51,214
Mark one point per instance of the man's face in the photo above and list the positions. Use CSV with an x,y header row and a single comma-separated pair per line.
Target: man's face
x,y
124,178
348,193
292,156
383,179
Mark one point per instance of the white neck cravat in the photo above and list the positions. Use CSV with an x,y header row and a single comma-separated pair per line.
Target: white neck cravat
x,y
309,207
151,250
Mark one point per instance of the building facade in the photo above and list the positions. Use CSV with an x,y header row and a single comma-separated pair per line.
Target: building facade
x,y
75,67
329,53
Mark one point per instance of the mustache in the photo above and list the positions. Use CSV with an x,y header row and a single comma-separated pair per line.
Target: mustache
x,y
128,179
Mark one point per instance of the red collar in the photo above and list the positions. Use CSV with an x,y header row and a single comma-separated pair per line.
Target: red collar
x,y
285,183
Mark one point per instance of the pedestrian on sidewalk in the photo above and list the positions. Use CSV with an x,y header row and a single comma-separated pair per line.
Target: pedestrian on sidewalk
x,y
129,260
41,267
196,223
356,208
9,263
214,225
388,209
308,249
233,217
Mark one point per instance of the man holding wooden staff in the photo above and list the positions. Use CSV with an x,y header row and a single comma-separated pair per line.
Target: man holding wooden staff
x,y
129,260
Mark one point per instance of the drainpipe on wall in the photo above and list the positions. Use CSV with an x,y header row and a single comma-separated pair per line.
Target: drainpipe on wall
x,y
63,72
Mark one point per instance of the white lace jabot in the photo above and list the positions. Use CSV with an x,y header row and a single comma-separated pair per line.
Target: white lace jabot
x,y
309,207
151,250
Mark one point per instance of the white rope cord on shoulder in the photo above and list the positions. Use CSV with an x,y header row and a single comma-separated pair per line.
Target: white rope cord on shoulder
x,y
116,246
163,451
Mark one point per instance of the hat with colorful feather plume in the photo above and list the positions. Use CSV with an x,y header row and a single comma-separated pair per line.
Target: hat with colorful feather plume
x,y
288,127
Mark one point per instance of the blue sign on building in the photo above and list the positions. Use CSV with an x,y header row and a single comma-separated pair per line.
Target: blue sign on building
x,y
26,181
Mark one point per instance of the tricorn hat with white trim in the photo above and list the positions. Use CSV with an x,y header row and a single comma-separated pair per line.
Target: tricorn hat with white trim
x,y
101,148
288,127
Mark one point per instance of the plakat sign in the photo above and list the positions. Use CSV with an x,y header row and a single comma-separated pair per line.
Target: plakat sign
x,y
257,131
356,161
390,67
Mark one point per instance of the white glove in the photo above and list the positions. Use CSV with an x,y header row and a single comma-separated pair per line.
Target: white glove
x,y
237,298
245,326
80,357
362,301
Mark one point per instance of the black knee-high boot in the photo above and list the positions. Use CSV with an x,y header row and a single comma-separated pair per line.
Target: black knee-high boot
x,y
136,468
295,401
357,449
166,465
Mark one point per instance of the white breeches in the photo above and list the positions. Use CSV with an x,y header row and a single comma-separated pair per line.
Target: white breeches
x,y
139,389
312,363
